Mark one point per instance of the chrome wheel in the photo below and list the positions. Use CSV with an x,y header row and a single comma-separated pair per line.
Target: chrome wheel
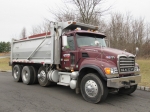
x,y
25,76
42,76
16,73
91,88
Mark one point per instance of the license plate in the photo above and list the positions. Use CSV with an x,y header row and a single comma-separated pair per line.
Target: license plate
x,y
127,69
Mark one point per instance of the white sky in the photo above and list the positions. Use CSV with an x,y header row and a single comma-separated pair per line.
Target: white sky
x,y
16,14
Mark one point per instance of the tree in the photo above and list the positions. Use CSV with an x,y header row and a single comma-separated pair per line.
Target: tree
x,y
85,11
89,10
7,47
44,27
4,47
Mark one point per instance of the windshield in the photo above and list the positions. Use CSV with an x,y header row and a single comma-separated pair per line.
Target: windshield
x,y
88,39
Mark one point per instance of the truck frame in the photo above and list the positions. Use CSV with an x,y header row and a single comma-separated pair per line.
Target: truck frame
x,y
74,54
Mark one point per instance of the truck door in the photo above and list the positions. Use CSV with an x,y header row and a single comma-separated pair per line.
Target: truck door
x,y
69,55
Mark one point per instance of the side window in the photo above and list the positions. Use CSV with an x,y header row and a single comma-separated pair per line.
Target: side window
x,y
71,44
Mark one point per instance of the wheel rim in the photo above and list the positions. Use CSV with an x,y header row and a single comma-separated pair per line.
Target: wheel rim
x,y
42,76
25,76
16,73
91,88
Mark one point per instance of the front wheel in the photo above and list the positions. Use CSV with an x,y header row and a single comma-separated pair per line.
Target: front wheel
x,y
128,91
93,89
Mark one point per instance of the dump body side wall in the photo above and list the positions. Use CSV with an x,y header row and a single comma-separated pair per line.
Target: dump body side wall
x,y
24,48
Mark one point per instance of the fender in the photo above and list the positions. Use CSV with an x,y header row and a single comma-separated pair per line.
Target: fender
x,y
101,73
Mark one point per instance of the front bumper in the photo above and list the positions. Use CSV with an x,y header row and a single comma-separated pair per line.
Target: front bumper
x,y
123,81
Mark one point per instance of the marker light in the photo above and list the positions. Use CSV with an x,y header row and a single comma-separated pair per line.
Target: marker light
x,y
78,28
96,31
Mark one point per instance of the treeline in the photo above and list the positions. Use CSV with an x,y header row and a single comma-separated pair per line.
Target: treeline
x,y
4,47
123,31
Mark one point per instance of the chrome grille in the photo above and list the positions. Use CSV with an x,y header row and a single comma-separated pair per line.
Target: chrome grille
x,y
126,64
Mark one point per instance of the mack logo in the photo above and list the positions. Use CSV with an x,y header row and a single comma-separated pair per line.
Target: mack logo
x,y
127,69
110,57
128,57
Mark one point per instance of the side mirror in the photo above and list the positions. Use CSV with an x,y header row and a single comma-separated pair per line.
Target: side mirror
x,y
137,50
64,41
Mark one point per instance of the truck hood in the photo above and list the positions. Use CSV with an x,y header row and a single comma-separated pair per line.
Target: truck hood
x,y
106,51
113,51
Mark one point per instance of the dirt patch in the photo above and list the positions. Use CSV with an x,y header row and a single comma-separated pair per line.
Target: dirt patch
x,y
5,54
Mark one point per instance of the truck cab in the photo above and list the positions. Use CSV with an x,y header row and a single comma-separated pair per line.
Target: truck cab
x,y
77,41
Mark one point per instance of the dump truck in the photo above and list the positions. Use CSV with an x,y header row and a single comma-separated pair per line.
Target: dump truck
x,y
76,55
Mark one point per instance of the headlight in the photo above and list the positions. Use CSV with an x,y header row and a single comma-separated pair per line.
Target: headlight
x,y
136,69
110,71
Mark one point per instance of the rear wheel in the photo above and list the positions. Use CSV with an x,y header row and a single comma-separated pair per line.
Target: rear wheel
x,y
27,75
93,89
128,91
16,72
35,79
42,77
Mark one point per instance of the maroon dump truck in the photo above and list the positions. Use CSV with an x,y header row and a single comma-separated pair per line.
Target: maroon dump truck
x,y
76,55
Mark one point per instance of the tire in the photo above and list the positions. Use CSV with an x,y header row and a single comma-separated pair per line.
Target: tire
x,y
128,91
35,79
16,73
27,75
42,77
91,82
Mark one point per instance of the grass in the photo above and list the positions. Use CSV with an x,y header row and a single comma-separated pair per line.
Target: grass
x,y
144,67
145,71
4,64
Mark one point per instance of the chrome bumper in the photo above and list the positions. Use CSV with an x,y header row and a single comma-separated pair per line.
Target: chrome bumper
x,y
123,81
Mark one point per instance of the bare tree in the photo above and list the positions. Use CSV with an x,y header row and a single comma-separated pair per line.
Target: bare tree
x,y
89,9
85,11
44,27
124,32
64,14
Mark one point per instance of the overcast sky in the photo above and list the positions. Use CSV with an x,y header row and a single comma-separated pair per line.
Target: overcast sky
x,y
16,14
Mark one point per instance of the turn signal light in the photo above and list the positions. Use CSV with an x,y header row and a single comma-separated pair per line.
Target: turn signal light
x,y
108,71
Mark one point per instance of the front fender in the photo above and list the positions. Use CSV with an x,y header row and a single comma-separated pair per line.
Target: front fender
x,y
100,72
97,65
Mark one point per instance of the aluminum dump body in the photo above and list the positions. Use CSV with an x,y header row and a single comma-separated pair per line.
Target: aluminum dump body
x,y
35,49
